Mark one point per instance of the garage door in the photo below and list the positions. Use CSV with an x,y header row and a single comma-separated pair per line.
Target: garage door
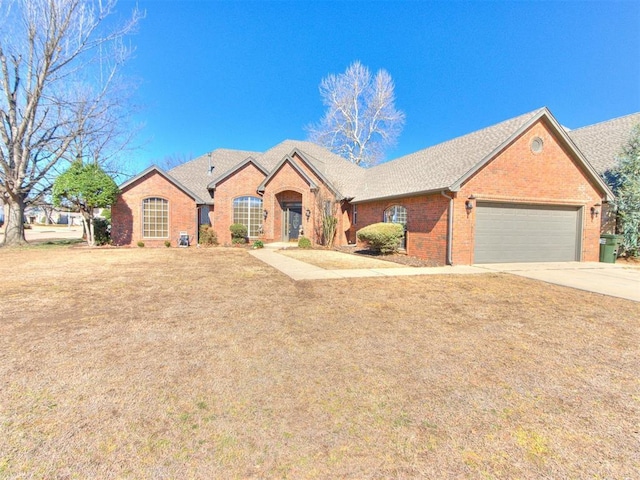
x,y
526,233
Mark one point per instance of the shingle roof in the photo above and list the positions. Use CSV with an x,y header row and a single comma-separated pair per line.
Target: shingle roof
x,y
441,166
343,175
194,174
602,142
161,172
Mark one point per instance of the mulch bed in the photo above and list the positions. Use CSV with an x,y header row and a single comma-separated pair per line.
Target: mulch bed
x,y
401,258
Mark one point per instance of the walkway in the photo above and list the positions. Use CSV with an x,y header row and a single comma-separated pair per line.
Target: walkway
x,y
615,280
298,270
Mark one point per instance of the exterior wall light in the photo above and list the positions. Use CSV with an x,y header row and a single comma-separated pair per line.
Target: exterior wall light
x,y
265,213
595,210
307,213
468,204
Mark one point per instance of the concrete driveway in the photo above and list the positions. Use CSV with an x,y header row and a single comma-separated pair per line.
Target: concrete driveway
x,y
612,279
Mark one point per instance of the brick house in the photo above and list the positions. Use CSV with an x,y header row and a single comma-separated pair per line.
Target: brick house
x,y
521,190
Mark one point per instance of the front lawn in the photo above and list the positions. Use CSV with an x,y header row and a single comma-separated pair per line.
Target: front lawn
x,y
207,363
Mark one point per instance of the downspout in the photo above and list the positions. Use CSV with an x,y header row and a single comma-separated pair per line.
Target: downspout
x,y
197,235
449,228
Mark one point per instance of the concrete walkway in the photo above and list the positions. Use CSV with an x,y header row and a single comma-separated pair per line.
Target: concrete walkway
x,y
298,270
605,278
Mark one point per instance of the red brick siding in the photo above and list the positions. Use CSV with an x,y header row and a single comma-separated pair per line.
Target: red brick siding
x,y
521,176
242,183
287,185
517,175
426,224
127,211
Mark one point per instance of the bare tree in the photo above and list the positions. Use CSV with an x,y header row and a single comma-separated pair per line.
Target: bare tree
x,y
174,160
60,93
361,120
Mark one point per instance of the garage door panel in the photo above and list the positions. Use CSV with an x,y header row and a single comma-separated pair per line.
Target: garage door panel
x,y
526,233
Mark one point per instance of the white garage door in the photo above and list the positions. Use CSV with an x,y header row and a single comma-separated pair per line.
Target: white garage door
x,y
526,233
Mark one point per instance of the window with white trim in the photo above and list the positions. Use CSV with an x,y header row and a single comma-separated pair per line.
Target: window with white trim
x,y
396,214
155,218
248,212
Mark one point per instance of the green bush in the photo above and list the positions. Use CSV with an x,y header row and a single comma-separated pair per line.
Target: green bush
x,y
382,237
258,244
141,244
208,235
167,243
304,242
101,231
238,233
106,214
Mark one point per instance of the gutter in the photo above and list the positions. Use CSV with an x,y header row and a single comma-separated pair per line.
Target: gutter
x,y
449,229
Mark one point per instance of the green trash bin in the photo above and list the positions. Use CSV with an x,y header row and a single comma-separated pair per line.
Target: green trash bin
x,y
609,245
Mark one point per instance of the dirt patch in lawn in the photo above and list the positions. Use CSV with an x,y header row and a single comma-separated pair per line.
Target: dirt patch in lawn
x,y
335,260
207,363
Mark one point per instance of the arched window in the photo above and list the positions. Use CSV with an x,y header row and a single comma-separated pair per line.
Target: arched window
x,y
248,212
155,218
396,214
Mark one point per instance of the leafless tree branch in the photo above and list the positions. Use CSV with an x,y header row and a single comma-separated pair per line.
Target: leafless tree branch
x,y
361,120
62,93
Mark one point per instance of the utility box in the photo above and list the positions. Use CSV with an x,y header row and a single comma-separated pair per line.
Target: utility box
x,y
609,245
183,240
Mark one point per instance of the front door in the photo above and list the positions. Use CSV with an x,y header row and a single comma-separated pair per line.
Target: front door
x,y
293,222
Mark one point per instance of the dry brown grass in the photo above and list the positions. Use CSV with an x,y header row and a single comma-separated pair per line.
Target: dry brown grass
x,y
205,363
333,260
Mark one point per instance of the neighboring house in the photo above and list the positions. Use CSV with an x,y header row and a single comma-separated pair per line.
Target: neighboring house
x,y
48,214
602,145
520,190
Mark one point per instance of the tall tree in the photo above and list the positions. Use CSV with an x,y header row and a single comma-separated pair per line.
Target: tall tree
x,y
361,120
60,93
626,186
85,187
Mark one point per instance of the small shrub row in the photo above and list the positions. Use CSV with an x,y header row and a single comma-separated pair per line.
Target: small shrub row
x,y
382,237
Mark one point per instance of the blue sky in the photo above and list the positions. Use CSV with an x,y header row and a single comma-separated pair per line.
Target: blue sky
x,y
245,75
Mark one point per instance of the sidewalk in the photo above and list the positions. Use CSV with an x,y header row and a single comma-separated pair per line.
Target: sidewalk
x,y
298,270
603,278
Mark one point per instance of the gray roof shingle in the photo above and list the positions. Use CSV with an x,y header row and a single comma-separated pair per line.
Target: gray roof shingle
x,y
194,174
438,167
343,175
602,142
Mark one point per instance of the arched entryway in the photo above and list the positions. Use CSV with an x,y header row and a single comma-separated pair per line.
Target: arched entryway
x,y
290,224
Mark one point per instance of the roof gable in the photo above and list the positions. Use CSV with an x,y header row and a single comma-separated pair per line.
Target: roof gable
x,y
448,165
247,161
166,176
438,167
339,174
288,159
199,172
